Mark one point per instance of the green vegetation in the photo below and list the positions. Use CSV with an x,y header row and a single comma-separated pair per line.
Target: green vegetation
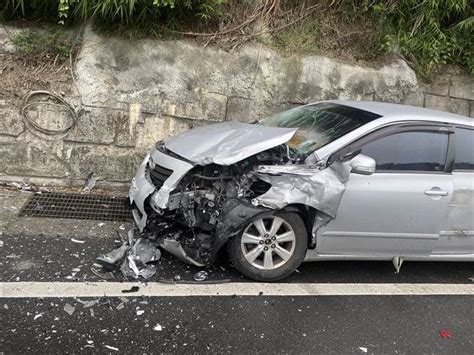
x,y
123,12
54,45
428,33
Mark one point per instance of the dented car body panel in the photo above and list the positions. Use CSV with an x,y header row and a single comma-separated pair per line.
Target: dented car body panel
x,y
305,185
142,187
205,185
227,143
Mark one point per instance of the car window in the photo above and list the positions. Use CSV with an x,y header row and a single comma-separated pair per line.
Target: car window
x,y
409,151
464,149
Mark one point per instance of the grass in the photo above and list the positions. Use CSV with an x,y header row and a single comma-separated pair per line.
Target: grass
x,y
52,44
331,34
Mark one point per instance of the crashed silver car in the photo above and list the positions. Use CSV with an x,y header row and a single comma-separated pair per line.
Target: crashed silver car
x,y
333,180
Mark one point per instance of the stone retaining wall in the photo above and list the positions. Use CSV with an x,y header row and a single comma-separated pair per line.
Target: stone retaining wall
x,y
128,95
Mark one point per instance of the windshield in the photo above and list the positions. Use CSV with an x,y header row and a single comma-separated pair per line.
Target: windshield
x,y
319,124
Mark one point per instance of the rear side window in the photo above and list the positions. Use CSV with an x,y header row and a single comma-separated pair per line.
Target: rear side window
x,y
464,149
409,151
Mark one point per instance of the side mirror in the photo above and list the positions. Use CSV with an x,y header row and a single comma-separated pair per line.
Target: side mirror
x,y
362,164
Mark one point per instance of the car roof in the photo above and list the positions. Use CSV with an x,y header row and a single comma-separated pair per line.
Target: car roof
x,y
400,112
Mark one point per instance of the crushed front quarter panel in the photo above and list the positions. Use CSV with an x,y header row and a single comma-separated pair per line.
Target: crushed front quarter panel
x,y
303,184
227,143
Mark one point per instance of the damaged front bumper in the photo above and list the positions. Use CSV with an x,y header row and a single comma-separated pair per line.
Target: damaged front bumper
x,y
157,176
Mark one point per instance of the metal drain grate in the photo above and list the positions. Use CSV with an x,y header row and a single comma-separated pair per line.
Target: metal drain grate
x,y
77,206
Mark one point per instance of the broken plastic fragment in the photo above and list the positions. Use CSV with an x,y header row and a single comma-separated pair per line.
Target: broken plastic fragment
x,y
78,241
69,309
38,316
363,349
90,181
140,312
201,276
114,256
158,328
111,348
133,289
87,304
99,270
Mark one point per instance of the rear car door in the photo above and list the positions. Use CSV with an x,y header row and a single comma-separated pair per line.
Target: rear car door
x,y
457,230
398,210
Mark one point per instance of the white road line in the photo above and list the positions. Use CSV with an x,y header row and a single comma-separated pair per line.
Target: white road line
x,y
114,289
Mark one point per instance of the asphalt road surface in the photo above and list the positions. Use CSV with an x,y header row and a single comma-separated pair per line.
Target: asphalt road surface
x,y
330,307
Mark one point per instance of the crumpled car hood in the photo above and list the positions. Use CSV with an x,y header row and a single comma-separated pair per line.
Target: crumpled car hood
x,y
227,143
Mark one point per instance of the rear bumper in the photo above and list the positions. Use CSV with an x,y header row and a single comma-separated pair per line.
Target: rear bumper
x,y
141,187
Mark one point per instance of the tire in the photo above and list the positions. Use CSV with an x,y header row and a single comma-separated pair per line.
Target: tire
x,y
279,236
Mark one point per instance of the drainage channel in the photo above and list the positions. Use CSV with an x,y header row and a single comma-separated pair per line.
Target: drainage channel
x,y
77,206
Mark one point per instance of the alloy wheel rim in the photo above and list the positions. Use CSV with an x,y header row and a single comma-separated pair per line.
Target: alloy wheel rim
x,y
268,243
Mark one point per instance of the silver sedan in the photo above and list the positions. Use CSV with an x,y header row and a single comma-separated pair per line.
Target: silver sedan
x,y
333,180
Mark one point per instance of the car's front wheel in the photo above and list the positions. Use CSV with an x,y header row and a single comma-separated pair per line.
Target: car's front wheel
x,y
270,247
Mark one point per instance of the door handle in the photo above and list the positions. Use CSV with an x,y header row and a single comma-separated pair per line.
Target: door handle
x,y
436,193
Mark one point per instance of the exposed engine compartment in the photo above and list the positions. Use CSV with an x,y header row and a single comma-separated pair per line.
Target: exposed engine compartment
x,y
199,205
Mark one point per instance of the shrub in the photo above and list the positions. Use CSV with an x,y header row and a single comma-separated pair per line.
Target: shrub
x,y
120,12
43,43
429,32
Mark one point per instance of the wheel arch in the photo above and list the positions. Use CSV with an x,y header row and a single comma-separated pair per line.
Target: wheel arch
x,y
308,215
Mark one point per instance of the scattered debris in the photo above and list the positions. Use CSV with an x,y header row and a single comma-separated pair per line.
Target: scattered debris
x,y
101,224
201,276
111,348
101,270
90,182
69,309
120,306
445,333
1,243
73,273
158,328
78,241
363,349
122,227
140,312
38,316
114,256
87,304
133,289
135,258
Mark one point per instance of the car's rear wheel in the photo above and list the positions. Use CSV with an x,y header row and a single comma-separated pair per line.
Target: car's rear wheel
x,y
270,247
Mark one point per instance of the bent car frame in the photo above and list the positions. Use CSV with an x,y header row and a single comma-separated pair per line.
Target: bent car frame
x,y
325,181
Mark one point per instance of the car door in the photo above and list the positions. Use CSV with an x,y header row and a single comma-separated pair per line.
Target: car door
x,y
457,230
397,211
